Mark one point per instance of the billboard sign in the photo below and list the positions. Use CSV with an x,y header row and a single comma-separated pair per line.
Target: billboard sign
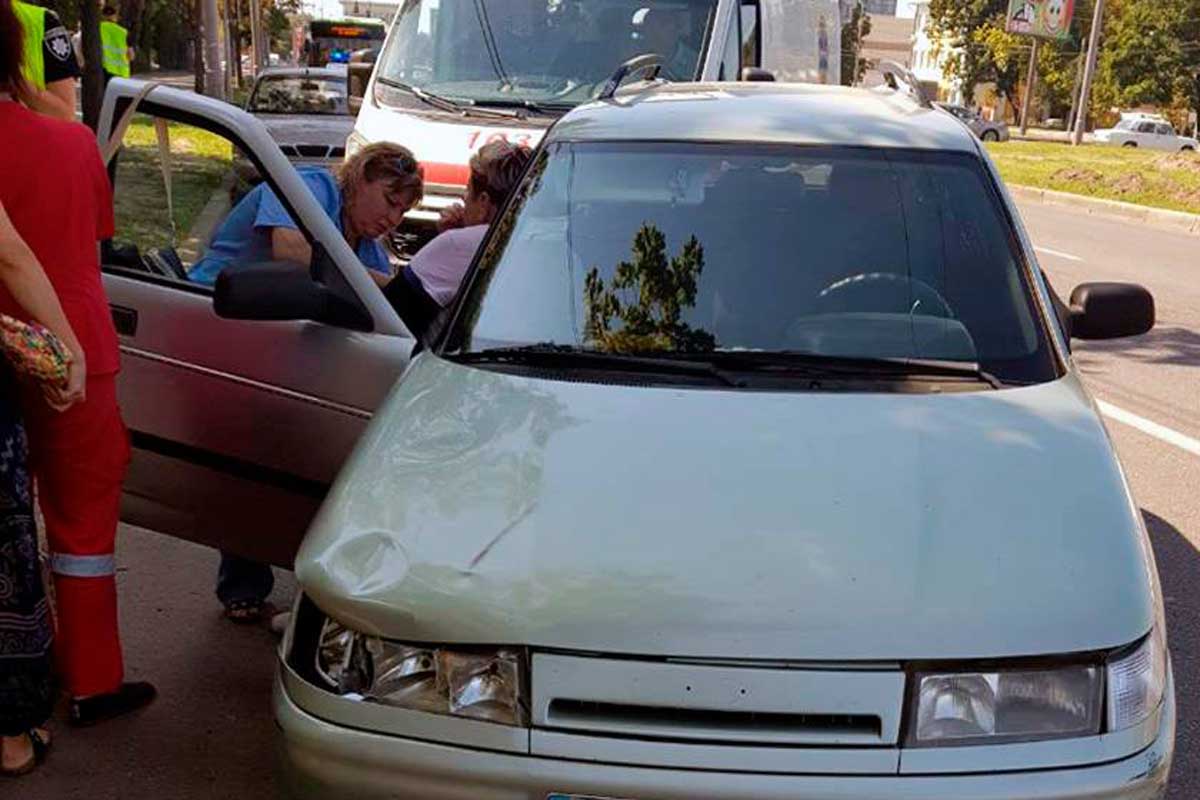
x,y
1049,19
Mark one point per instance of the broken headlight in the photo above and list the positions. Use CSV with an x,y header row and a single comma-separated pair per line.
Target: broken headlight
x,y
480,683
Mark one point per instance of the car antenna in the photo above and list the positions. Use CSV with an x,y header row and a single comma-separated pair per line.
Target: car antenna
x,y
651,62
895,73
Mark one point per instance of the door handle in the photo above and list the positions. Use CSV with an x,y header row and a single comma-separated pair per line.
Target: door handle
x,y
125,320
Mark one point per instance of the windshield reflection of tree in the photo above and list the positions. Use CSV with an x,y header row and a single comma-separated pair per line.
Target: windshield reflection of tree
x,y
640,309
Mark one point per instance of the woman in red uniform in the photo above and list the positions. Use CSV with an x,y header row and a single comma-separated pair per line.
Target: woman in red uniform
x,y
56,191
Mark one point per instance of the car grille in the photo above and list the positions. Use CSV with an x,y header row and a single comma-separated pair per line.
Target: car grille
x,y
682,702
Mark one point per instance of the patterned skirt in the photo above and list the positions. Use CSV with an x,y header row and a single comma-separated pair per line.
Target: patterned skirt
x,y
26,672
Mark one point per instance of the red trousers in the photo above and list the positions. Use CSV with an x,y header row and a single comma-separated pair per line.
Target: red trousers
x,y
79,459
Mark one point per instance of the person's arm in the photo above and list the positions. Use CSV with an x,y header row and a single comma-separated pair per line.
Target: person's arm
x,y
26,281
60,70
56,100
289,244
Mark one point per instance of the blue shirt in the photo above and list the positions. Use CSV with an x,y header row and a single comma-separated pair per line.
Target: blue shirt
x,y
245,236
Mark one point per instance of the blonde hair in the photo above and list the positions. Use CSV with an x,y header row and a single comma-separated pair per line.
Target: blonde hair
x,y
382,161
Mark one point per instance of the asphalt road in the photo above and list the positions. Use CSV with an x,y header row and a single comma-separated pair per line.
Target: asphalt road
x,y
210,735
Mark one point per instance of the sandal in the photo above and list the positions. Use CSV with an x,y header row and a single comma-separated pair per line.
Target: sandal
x,y
245,612
41,746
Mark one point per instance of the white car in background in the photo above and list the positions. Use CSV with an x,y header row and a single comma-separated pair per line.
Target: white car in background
x,y
1155,133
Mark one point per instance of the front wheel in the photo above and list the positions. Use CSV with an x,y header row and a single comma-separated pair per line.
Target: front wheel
x,y
990,136
1129,144
1188,149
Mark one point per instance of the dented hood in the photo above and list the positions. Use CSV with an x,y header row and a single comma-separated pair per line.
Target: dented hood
x,y
489,508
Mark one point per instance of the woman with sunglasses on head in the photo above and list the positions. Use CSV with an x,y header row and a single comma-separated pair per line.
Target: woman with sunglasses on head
x,y
366,198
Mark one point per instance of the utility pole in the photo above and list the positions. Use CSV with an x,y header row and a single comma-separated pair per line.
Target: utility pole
x,y
1030,82
237,42
255,37
1089,74
214,80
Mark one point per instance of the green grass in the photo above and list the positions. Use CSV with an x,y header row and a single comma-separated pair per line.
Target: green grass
x,y
1144,177
199,161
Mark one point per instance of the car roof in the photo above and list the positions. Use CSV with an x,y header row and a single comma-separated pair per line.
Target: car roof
x,y
302,72
768,113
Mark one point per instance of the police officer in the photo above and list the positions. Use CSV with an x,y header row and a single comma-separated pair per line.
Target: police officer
x,y
50,66
116,54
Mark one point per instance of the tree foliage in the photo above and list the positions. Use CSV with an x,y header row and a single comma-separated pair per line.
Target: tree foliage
x,y
855,30
647,297
1150,51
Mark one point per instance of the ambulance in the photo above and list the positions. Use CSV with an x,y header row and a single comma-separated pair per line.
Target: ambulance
x,y
456,74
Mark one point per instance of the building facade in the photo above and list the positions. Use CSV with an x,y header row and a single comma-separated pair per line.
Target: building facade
x,y
376,9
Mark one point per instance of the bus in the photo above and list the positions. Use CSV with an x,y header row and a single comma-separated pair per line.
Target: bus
x,y
331,41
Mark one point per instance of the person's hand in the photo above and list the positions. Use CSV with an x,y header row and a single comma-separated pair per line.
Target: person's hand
x,y
452,217
61,396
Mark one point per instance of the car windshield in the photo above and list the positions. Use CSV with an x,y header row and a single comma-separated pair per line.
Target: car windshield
x,y
662,249
300,95
542,51
1126,125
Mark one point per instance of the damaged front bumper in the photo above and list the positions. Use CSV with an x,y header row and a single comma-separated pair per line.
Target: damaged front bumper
x,y
320,758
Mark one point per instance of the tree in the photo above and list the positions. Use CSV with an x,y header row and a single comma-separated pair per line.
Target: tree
x,y
855,30
647,296
1145,60
976,31
92,94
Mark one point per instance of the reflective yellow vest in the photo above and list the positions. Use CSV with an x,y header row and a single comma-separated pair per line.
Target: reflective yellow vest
x,y
114,41
33,21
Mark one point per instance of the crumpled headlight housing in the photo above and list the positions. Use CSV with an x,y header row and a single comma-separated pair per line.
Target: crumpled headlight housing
x,y
479,683
997,706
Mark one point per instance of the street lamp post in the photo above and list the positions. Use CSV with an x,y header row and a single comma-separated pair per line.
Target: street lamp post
x,y
1089,74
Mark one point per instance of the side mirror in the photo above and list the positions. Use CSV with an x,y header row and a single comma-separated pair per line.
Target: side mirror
x,y
282,290
757,75
1111,311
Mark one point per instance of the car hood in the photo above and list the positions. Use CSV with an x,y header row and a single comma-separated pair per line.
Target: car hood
x,y
483,507
316,129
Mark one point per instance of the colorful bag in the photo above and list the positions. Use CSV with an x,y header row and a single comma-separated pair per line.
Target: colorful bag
x,y
33,351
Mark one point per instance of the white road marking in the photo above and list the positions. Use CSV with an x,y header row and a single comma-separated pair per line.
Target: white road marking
x,y
1160,432
1057,253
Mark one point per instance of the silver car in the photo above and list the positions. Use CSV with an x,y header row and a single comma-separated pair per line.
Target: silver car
x,y
986,129
305,110
751,461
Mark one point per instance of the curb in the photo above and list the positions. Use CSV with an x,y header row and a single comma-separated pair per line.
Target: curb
x,y
1161,218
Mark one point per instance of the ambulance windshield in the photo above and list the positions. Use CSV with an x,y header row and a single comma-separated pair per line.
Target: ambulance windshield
x,y
548,52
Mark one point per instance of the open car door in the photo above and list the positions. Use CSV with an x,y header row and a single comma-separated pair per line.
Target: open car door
x,y
238,427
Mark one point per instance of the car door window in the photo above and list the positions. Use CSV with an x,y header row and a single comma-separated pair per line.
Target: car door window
x,y
1166,130
750,34
163,233
1146,127
190,202
731,55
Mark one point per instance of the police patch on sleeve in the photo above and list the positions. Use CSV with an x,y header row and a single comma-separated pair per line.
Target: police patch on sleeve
x,y
58,43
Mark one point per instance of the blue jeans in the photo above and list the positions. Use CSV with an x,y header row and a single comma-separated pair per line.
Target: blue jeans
x,y
242,581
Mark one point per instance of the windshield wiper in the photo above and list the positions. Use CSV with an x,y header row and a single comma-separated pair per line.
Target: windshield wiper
x,y
549,109
463,106
559,355
815,363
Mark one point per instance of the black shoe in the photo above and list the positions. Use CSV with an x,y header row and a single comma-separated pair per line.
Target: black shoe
x,y
101,707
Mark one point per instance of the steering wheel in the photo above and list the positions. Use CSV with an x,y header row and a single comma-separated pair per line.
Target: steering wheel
x,y
886,292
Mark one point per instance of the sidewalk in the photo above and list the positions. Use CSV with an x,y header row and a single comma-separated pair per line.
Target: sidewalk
x,y
1044,135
